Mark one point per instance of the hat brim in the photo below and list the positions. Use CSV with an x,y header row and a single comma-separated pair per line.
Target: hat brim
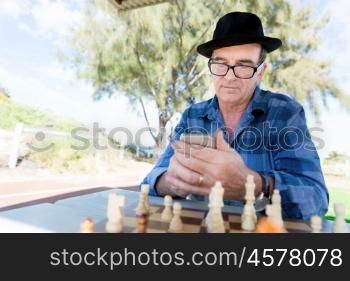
x,y
270,44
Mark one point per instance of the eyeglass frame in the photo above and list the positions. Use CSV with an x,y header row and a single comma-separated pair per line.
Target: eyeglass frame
x,y
233,68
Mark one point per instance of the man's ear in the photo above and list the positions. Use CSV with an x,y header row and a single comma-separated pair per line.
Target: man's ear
x,y
262,71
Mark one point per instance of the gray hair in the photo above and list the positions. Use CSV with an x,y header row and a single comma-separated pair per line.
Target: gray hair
x,y
262,56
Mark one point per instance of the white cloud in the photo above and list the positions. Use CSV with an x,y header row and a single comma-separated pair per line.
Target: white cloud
x,y
54,16
43,17
336,37
14,8
26,27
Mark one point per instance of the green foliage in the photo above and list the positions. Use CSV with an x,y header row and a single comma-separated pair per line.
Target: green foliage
x,y
338,157
150,53
12,113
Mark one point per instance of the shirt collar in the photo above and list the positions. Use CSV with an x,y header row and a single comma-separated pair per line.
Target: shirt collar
x,y
257,106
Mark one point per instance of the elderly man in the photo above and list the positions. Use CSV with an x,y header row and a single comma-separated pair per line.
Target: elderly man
x,y
257,132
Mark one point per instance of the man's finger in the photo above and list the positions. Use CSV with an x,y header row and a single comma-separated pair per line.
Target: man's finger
x,y
205,154
181,186
221,144
194,164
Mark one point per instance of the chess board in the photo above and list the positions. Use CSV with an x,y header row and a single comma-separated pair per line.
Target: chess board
x,y
193,222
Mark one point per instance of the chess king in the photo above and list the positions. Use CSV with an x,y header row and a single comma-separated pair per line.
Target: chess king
x,y
257,132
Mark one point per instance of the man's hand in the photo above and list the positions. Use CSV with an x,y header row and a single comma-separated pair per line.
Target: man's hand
x,y
182,181
222,164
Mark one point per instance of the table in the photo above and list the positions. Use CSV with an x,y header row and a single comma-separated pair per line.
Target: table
x,y
64,216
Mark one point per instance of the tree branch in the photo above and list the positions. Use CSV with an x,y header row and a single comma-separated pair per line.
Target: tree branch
x,y
199,75
205,31
146,117
150,88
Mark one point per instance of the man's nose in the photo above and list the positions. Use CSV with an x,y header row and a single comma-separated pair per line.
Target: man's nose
x,y
230,75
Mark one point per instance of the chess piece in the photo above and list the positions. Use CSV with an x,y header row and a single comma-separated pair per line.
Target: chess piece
x,y
176,222
316,224
339,225
249,218
167,214
218,224
87,226
142,206
276,203
115,213
145,189
142,222
214,219
272,216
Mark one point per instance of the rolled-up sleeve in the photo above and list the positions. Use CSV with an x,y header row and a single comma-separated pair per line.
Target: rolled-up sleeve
x,y
297,170
163,163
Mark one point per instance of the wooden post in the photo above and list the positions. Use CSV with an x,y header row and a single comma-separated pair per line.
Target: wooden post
x,y
122,150
16,146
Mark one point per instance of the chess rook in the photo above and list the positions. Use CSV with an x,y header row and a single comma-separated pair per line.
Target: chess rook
x,y
115,213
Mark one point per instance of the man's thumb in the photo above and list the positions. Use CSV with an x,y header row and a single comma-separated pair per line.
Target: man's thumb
x,y
221,144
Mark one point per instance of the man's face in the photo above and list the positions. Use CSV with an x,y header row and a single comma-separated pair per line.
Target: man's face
x,y
229,89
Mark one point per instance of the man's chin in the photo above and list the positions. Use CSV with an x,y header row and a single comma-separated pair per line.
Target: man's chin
x,y
231,91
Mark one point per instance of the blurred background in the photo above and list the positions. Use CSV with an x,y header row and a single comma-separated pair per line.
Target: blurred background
x,y
91,90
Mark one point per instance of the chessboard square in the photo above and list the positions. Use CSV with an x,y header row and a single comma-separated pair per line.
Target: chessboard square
x,y
192,214
227,226
156,217
156,230
290,225
157,225
236,226
129,221
154,209
191,228
240,231
192,221
234,218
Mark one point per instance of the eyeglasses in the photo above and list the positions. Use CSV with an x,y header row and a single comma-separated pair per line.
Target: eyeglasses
x,y
240,71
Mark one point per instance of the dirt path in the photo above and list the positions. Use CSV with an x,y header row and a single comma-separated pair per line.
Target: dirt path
x,y
18,188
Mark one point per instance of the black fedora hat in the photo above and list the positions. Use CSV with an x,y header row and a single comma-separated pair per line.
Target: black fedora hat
x,y
238,28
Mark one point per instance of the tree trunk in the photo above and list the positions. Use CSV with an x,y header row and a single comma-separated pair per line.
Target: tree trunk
x,y
161,140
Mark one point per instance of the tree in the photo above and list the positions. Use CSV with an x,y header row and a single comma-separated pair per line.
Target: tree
x,y
150,53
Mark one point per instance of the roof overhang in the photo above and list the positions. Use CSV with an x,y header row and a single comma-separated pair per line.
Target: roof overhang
x,y
124,5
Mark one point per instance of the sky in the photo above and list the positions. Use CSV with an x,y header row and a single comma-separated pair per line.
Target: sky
x,y
33,31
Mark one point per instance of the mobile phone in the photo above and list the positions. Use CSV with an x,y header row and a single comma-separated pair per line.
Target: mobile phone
x,y
199,139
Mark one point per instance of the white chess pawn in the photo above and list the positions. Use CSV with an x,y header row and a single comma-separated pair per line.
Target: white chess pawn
x,y
176,222
115,213
167,214
316,224
141,208
339,225
145,189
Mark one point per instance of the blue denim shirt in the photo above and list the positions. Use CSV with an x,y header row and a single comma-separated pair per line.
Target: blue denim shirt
x,y
273,139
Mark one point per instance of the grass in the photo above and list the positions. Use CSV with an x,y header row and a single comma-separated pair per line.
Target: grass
x,y
338,195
